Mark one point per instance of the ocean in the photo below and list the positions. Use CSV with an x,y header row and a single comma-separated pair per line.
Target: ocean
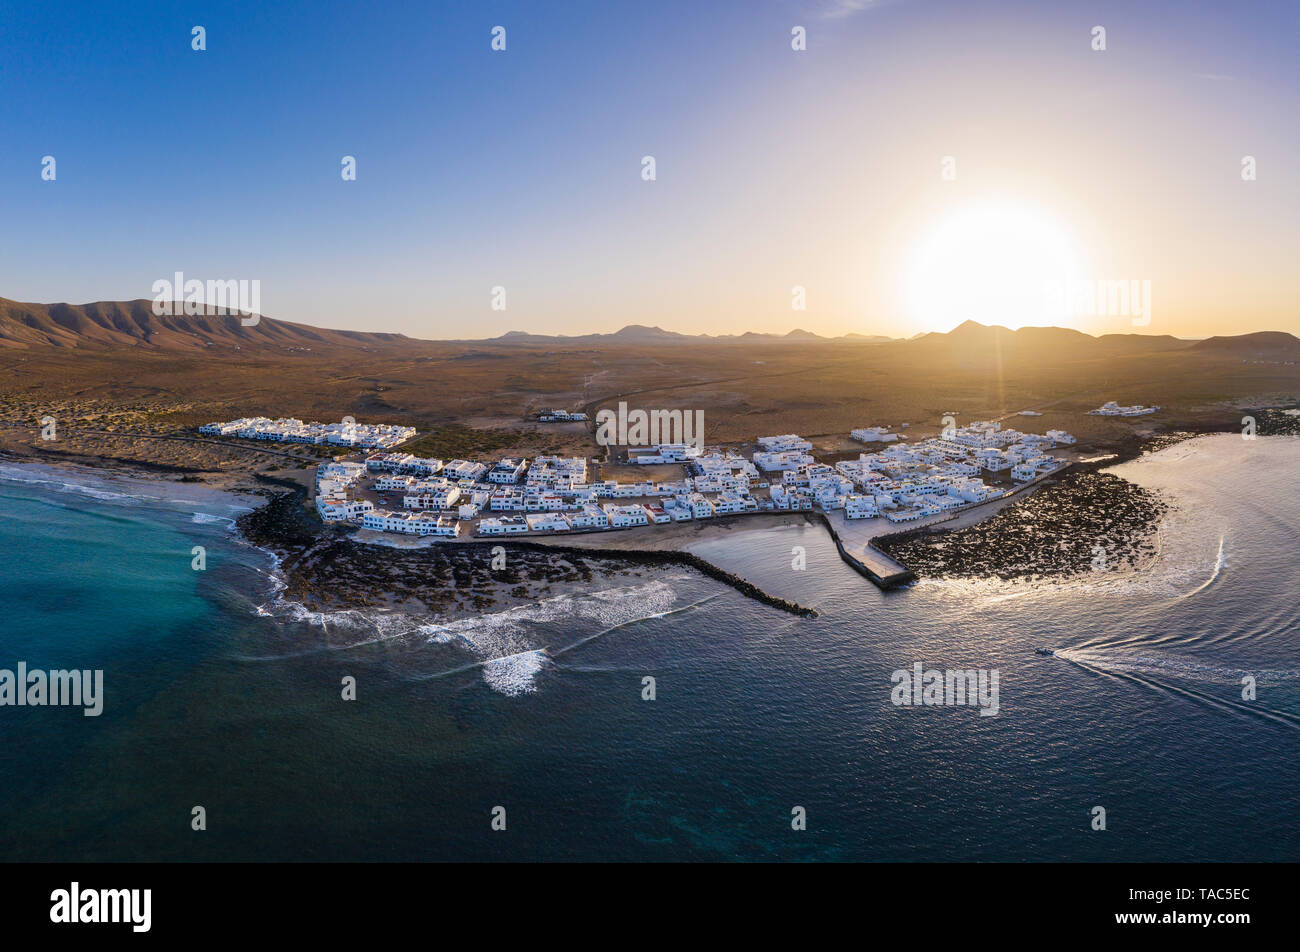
x,y
222,696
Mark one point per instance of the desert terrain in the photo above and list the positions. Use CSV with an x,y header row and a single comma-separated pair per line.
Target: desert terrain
x,y
138,395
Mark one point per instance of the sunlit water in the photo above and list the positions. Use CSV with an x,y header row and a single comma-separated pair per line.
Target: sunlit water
x,y
221,696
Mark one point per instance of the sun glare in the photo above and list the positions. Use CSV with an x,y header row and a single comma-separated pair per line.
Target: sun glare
x,y
996,264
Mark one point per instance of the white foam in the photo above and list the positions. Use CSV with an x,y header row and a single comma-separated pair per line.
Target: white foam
x,y
508,644
49,477
514,674
205,518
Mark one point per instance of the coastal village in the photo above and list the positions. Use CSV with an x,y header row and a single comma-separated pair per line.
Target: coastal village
x,y
900,481
1111,408
288,430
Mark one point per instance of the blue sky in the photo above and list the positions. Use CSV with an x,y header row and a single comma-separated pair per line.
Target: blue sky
x,y
522,168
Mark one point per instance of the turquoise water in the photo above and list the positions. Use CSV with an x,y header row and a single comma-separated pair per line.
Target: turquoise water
x,y
220,696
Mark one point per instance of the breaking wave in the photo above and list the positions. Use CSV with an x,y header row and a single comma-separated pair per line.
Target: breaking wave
x,y
510,647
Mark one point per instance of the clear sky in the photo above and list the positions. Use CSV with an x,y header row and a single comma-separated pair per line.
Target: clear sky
x,y
822,168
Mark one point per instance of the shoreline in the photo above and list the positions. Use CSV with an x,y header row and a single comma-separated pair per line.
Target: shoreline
x,y
294,538
314,560
286,544
1091,520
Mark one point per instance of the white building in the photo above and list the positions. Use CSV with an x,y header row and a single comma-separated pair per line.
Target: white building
x,y
428,523
344,473
290,430
623,516
701,508
507,471
547,522
783,444
402,463
506,500
860,507
464,470
561,416
904,515
590,517
434,497
663,453
1111,408
557,472
780,461
873,434
341,509
658,515
502,525
728,502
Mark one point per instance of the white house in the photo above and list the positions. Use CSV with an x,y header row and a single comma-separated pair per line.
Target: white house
x,y
623,516
434,497
547,522
561,416
341,509
904,515
506,501
391,483
873,434
663,453
464,470
507,471
589,517
658,515
502,525
857,506
701,508
785,443
779,461
729,502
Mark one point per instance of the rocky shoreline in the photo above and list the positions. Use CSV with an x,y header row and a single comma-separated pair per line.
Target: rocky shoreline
x,y
1277,422
1086,521
324,569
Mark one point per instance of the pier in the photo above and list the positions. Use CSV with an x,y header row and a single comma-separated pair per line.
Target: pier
x,y
853,541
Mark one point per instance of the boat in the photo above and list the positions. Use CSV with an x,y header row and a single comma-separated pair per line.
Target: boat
x,y
1045,651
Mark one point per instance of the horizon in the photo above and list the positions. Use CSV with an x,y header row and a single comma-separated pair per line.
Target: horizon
x,y
775,169
792,332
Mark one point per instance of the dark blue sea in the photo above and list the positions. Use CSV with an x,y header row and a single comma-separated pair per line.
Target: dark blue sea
x,y
221,695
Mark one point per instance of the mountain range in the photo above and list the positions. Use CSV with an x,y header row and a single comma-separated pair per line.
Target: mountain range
x,y
114,324
108,325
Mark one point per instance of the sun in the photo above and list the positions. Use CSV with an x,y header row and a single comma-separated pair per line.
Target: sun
x,y
994,263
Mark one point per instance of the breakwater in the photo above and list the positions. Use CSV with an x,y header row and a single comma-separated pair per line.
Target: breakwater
x,y
666,557
880,568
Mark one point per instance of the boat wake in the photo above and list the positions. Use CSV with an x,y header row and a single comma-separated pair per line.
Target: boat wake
x,y
1219,562
1155,672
